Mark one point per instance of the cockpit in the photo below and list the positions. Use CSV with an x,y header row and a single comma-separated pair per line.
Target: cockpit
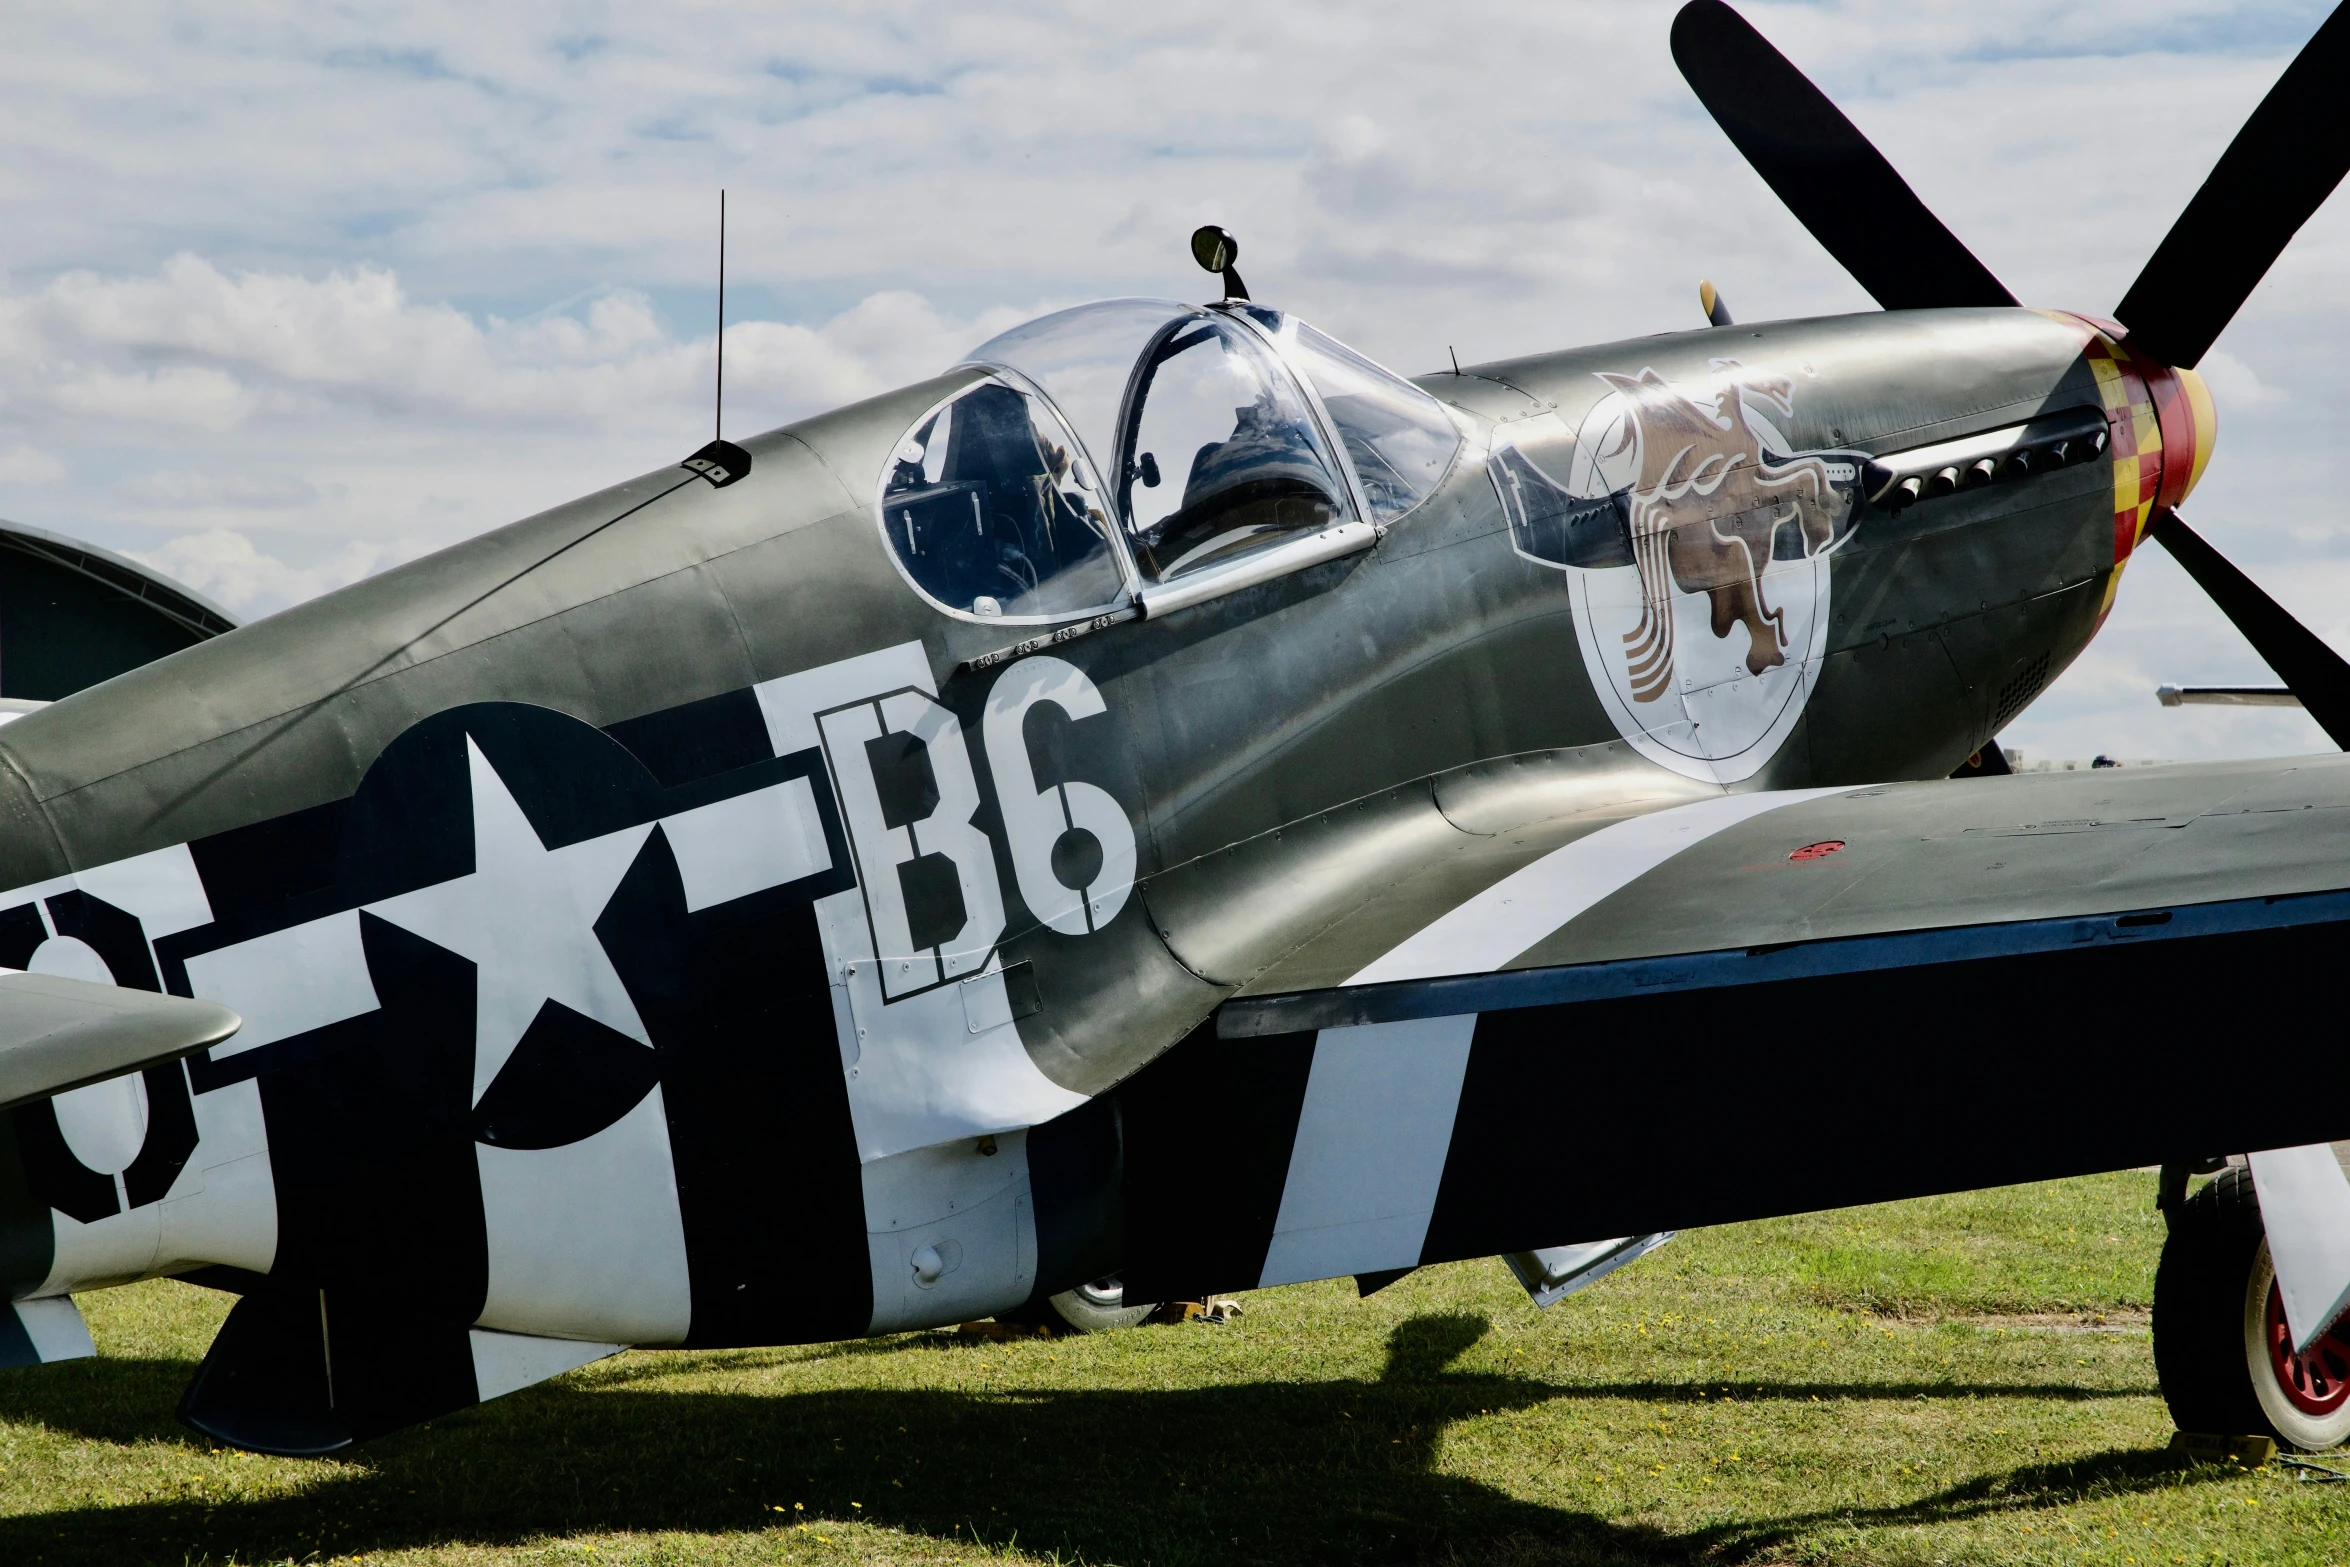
x,y
1111,449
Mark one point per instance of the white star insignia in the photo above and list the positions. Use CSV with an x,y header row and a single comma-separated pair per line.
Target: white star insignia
x,y
526,916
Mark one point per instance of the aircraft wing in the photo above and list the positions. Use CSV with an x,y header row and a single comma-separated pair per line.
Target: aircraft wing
x,y
57,1033
1747,1005
1428,896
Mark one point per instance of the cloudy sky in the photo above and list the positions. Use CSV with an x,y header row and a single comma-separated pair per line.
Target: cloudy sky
x,y
291,293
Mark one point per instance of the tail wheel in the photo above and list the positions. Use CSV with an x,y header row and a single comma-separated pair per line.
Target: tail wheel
x,y
2221,1348
1099,1307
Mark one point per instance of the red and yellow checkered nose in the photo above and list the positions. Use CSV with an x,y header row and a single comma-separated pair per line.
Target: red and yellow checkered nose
x,y
2161,425
2196,427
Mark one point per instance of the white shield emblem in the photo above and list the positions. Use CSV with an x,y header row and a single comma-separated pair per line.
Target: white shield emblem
x,y
1696,545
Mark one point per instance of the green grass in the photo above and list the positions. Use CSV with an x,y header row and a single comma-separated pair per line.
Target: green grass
x,y
1901,1384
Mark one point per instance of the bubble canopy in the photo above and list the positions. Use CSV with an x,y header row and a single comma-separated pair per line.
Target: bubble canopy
x,y
1160,440
1082,360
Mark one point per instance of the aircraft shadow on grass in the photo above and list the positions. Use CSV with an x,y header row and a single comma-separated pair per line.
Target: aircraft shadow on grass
x,y
1339,1470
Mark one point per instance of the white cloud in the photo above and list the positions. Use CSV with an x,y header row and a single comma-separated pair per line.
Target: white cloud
x,y
198,397
2235,384
190,487
297,349
31,467
226,565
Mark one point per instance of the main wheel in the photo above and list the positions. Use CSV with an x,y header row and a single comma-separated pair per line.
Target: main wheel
x,y
1099,1307
2221,1348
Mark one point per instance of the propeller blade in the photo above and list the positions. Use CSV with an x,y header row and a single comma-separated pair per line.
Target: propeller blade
x,y
2313,671
2280,168
1837,184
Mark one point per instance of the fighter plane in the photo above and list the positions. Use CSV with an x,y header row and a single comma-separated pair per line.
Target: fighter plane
x,y
1169,805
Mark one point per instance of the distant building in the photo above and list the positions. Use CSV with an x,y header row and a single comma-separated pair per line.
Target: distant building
x,y
72,614
2016,763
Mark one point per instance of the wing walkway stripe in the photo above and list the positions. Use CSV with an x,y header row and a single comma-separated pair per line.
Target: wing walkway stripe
x,y
1528,904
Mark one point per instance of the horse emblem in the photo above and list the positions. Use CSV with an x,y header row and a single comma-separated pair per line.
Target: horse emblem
x,y
1695,539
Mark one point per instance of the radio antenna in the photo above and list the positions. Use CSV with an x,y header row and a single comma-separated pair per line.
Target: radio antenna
x,y
718,415
721,462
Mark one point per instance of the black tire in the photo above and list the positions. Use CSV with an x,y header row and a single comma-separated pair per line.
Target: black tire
x,y
2211,1297
1099,1307
2199,1308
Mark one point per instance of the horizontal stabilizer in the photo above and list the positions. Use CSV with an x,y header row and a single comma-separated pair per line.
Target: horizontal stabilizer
x,y
37,1332
301,1372
58,1033
2305,1207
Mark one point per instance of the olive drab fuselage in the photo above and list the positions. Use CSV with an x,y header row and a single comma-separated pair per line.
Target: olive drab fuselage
x,y
965,892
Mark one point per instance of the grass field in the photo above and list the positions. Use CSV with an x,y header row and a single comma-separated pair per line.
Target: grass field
x,y
1963,1379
